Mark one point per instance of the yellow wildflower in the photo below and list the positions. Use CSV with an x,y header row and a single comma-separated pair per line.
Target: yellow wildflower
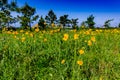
x,y
58,30
23,39
51,32
89,43
31,35
9,32
43,31
80,62
65,37
87,32
15,36
63,61
101,78
76,36
27,33
21,31
55,31
37,30
74,30
81,51
45,39
93,39
15,32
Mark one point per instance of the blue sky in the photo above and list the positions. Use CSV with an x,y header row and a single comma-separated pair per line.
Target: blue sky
x,y
101,9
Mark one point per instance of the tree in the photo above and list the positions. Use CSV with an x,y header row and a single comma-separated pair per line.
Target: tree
x,y
119,25
5,12
90,21
107,23
42,23
13,5
51,17
83,24
64,20
6,17
3,3
27,16
74,23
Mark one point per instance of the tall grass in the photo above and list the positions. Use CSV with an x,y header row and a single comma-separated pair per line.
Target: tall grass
x,y
52,55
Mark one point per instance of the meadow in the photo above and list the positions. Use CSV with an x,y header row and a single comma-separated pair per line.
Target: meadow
x,y
84,54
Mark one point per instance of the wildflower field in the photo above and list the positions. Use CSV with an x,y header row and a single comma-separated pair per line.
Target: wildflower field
x,y
84,54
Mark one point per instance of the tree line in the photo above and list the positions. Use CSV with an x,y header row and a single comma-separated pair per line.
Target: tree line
x,y
27,16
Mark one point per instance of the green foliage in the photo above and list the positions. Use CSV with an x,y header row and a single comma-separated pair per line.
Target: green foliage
x,y
42,23
83,25
107,23
51,17
119,25
6,18
3,3
64,20
13,5
27,16
74,23
5,14
46,56
90,21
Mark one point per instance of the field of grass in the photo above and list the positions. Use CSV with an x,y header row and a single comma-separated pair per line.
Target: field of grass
x,y
60,55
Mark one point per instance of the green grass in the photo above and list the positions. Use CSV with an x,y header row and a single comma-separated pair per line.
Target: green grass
x,y
39,55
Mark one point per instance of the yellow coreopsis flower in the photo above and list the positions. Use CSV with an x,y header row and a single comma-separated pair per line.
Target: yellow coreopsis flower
x,y
31,35
87,32
23,39
81,51
45,39
9,32
89,43
80,62
44,31
27,33
37,30
51,32
15,36
15,32
101,78
76,36
58,29
65,38
63,61
21,31
93,39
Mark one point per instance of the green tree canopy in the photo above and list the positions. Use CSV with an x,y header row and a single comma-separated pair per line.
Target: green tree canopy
x,y
74,23
90,21
51,17
27,17
5,12
42,23
107,23
64,20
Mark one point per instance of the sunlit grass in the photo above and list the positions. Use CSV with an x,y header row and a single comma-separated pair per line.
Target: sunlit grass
x,y
58,55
